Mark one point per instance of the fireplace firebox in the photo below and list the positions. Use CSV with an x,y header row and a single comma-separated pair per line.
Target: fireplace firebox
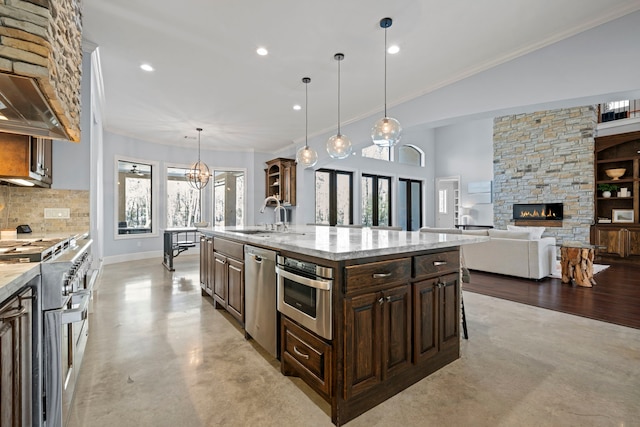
x,y
537,211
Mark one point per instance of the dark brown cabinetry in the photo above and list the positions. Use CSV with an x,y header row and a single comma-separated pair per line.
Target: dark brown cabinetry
x,y
16,358
26,157
281,180
307,355
228,276
206,265
617,222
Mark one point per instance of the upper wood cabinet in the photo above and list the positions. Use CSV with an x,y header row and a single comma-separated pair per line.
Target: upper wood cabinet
x,y
281,180
26,157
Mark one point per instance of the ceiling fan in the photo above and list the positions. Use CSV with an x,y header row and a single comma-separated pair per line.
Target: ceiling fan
x,y
134,170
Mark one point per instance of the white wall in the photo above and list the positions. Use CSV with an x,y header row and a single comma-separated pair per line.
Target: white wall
x,y
466,150
118,146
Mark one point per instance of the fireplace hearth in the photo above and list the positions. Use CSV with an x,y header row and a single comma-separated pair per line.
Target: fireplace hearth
x,y
537,212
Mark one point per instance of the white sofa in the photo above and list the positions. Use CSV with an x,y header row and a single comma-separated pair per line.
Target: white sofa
x,y
521,253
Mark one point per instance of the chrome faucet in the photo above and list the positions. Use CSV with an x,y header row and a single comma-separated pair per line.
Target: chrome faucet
x,y
276,211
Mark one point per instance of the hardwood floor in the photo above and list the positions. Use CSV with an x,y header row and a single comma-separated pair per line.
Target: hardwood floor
x,y
615,299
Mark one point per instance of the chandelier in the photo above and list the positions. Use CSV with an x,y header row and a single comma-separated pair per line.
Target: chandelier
x,y
198,174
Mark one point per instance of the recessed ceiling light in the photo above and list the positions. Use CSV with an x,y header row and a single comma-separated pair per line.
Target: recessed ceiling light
x,y
262,51
393,49
146,67
297,107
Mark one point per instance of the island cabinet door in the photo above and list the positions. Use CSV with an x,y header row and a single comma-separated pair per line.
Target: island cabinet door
x,y
220,279
235,291
425,323
449,310
204,268
363,342
211,265
633,248
396,338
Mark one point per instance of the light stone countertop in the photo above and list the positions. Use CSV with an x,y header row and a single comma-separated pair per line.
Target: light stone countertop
x,y
338,244
14,276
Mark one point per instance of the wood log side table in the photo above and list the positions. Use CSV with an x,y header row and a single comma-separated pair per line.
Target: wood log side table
x,y
576,261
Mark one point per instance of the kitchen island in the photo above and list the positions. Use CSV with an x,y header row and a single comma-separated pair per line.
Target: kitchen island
x,y
394,307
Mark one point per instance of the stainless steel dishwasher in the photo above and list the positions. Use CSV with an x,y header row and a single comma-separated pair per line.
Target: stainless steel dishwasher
x,y
260,297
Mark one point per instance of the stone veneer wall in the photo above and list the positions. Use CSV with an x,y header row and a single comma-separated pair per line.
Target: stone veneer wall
x,y
25,205
42,39
546,157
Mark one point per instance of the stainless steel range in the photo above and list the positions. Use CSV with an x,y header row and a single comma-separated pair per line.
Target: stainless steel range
x,y
66,285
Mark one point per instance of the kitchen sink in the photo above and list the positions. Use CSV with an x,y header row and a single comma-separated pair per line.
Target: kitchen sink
x,y
253,231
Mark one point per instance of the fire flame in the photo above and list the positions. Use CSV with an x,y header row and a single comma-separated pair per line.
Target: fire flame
x,y
536,214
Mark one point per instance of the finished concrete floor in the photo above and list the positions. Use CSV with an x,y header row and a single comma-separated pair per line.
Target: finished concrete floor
x,y
159,354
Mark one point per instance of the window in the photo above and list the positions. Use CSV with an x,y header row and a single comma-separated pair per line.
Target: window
x,y
375,152
410,204
134,205
228,197
334,197
410,155
376,200
183,201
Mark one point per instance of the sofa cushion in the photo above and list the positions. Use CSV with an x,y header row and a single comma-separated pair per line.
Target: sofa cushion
x,y
506,234
536,232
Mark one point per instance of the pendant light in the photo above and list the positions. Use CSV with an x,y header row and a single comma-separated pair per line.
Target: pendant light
x,y
386,132
306,156
339,146
198,174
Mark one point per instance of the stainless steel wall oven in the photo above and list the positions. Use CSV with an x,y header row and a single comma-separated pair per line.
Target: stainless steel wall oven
x,y
304,294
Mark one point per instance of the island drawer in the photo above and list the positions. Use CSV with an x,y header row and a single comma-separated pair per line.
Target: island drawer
x,y
307,356
438,263
229,248
377,273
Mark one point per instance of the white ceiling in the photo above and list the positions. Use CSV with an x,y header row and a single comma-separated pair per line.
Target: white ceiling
x,y
207,73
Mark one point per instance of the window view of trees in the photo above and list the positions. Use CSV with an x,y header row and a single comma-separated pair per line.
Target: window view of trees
x,y
376,200
134,198
334,194
375,152
183,201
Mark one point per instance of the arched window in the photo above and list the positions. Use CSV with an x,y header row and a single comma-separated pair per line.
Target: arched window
x,y
410,155
375,152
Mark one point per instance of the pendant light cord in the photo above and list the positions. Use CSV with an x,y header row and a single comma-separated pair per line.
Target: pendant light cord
x,y
306,115
339,96
385,72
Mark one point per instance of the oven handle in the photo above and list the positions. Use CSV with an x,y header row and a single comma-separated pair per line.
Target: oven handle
x,y
324,285
72,315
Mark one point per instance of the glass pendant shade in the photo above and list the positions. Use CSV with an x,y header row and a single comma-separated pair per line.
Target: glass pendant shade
x,y
339,146
386,132
307,157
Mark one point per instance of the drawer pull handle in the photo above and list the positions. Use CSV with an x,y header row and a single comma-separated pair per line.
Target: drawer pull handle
x,y
381,275
299,353
439,263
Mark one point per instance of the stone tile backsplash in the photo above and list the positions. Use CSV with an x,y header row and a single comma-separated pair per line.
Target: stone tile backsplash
x,y
25,205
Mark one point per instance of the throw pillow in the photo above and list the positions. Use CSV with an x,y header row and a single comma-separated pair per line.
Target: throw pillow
x,y
536,232
476,232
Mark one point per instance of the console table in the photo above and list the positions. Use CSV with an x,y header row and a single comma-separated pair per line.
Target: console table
x,y
176,241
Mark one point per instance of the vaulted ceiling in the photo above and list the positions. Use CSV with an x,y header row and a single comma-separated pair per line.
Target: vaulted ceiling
x,y
207,73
